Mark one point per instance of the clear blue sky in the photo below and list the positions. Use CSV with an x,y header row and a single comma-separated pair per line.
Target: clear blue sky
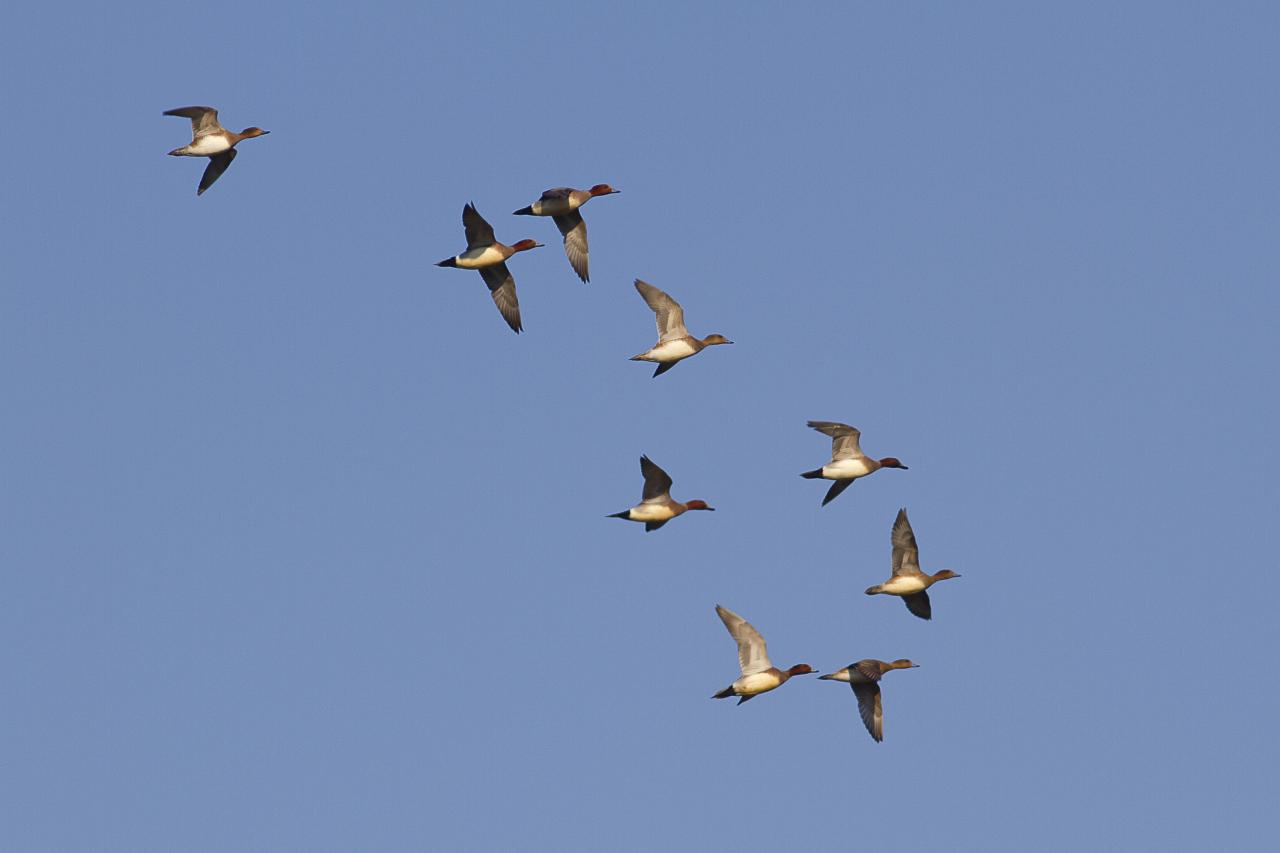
x,y
304,550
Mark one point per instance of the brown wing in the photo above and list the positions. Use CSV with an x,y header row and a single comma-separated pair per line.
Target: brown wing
x,y
869,707
844,439
836,488
656,482
502,287
918,604
906,556
218,164
204,120
667,311
479,232
575,242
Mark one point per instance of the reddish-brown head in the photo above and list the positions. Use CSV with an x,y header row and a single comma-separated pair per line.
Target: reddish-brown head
x,y
250,132
944,574
712,340
602,189
903,663
524,245
892,462
800,669
697,504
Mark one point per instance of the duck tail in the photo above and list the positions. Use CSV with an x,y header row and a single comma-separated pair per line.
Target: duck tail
x,y
724,694
626,513
524,211
874,590
812,475
448,262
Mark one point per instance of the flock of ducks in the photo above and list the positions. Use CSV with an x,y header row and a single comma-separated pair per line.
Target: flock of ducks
x,y
848,463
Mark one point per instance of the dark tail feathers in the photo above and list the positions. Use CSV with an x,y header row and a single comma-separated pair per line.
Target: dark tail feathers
x,y
448,262
812,475
524,211
724,694
624,514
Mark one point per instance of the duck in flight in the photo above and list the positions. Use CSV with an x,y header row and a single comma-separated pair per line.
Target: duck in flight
x,y
848,462
562,205
758,674
864,677
210,139
486,254
908,581
656,506
674,341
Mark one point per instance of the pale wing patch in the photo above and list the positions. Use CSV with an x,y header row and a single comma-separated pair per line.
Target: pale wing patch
x,y
753,656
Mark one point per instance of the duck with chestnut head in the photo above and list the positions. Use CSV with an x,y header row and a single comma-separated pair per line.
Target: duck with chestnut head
x,y
864,677
210,139
674,341
848,462
486,254
758,674
561,204
909,581
656,506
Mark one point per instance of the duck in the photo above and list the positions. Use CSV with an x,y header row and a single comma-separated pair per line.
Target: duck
x,y
908,581
561,204
674,341
864,677
758,674
656,507
487,255
210,139
848,462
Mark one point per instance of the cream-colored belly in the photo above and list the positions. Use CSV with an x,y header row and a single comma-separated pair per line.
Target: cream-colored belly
x,y
474,259
207,145
847,469
652,512
761,682
671,351
904,585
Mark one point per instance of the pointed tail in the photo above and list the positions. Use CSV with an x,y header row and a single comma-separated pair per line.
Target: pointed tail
x,y
812,475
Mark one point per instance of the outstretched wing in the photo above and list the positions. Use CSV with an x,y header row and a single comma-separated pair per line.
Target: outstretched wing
x,y
218,164
919,605
204,120
502,287
479,232
753,657
669,314
657,485
574,230
869,707
844,439
906,556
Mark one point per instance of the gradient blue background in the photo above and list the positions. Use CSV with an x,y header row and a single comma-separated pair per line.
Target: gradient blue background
x,y
303,550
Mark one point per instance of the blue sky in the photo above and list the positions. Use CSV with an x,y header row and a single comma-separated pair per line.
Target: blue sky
x,y
304,550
